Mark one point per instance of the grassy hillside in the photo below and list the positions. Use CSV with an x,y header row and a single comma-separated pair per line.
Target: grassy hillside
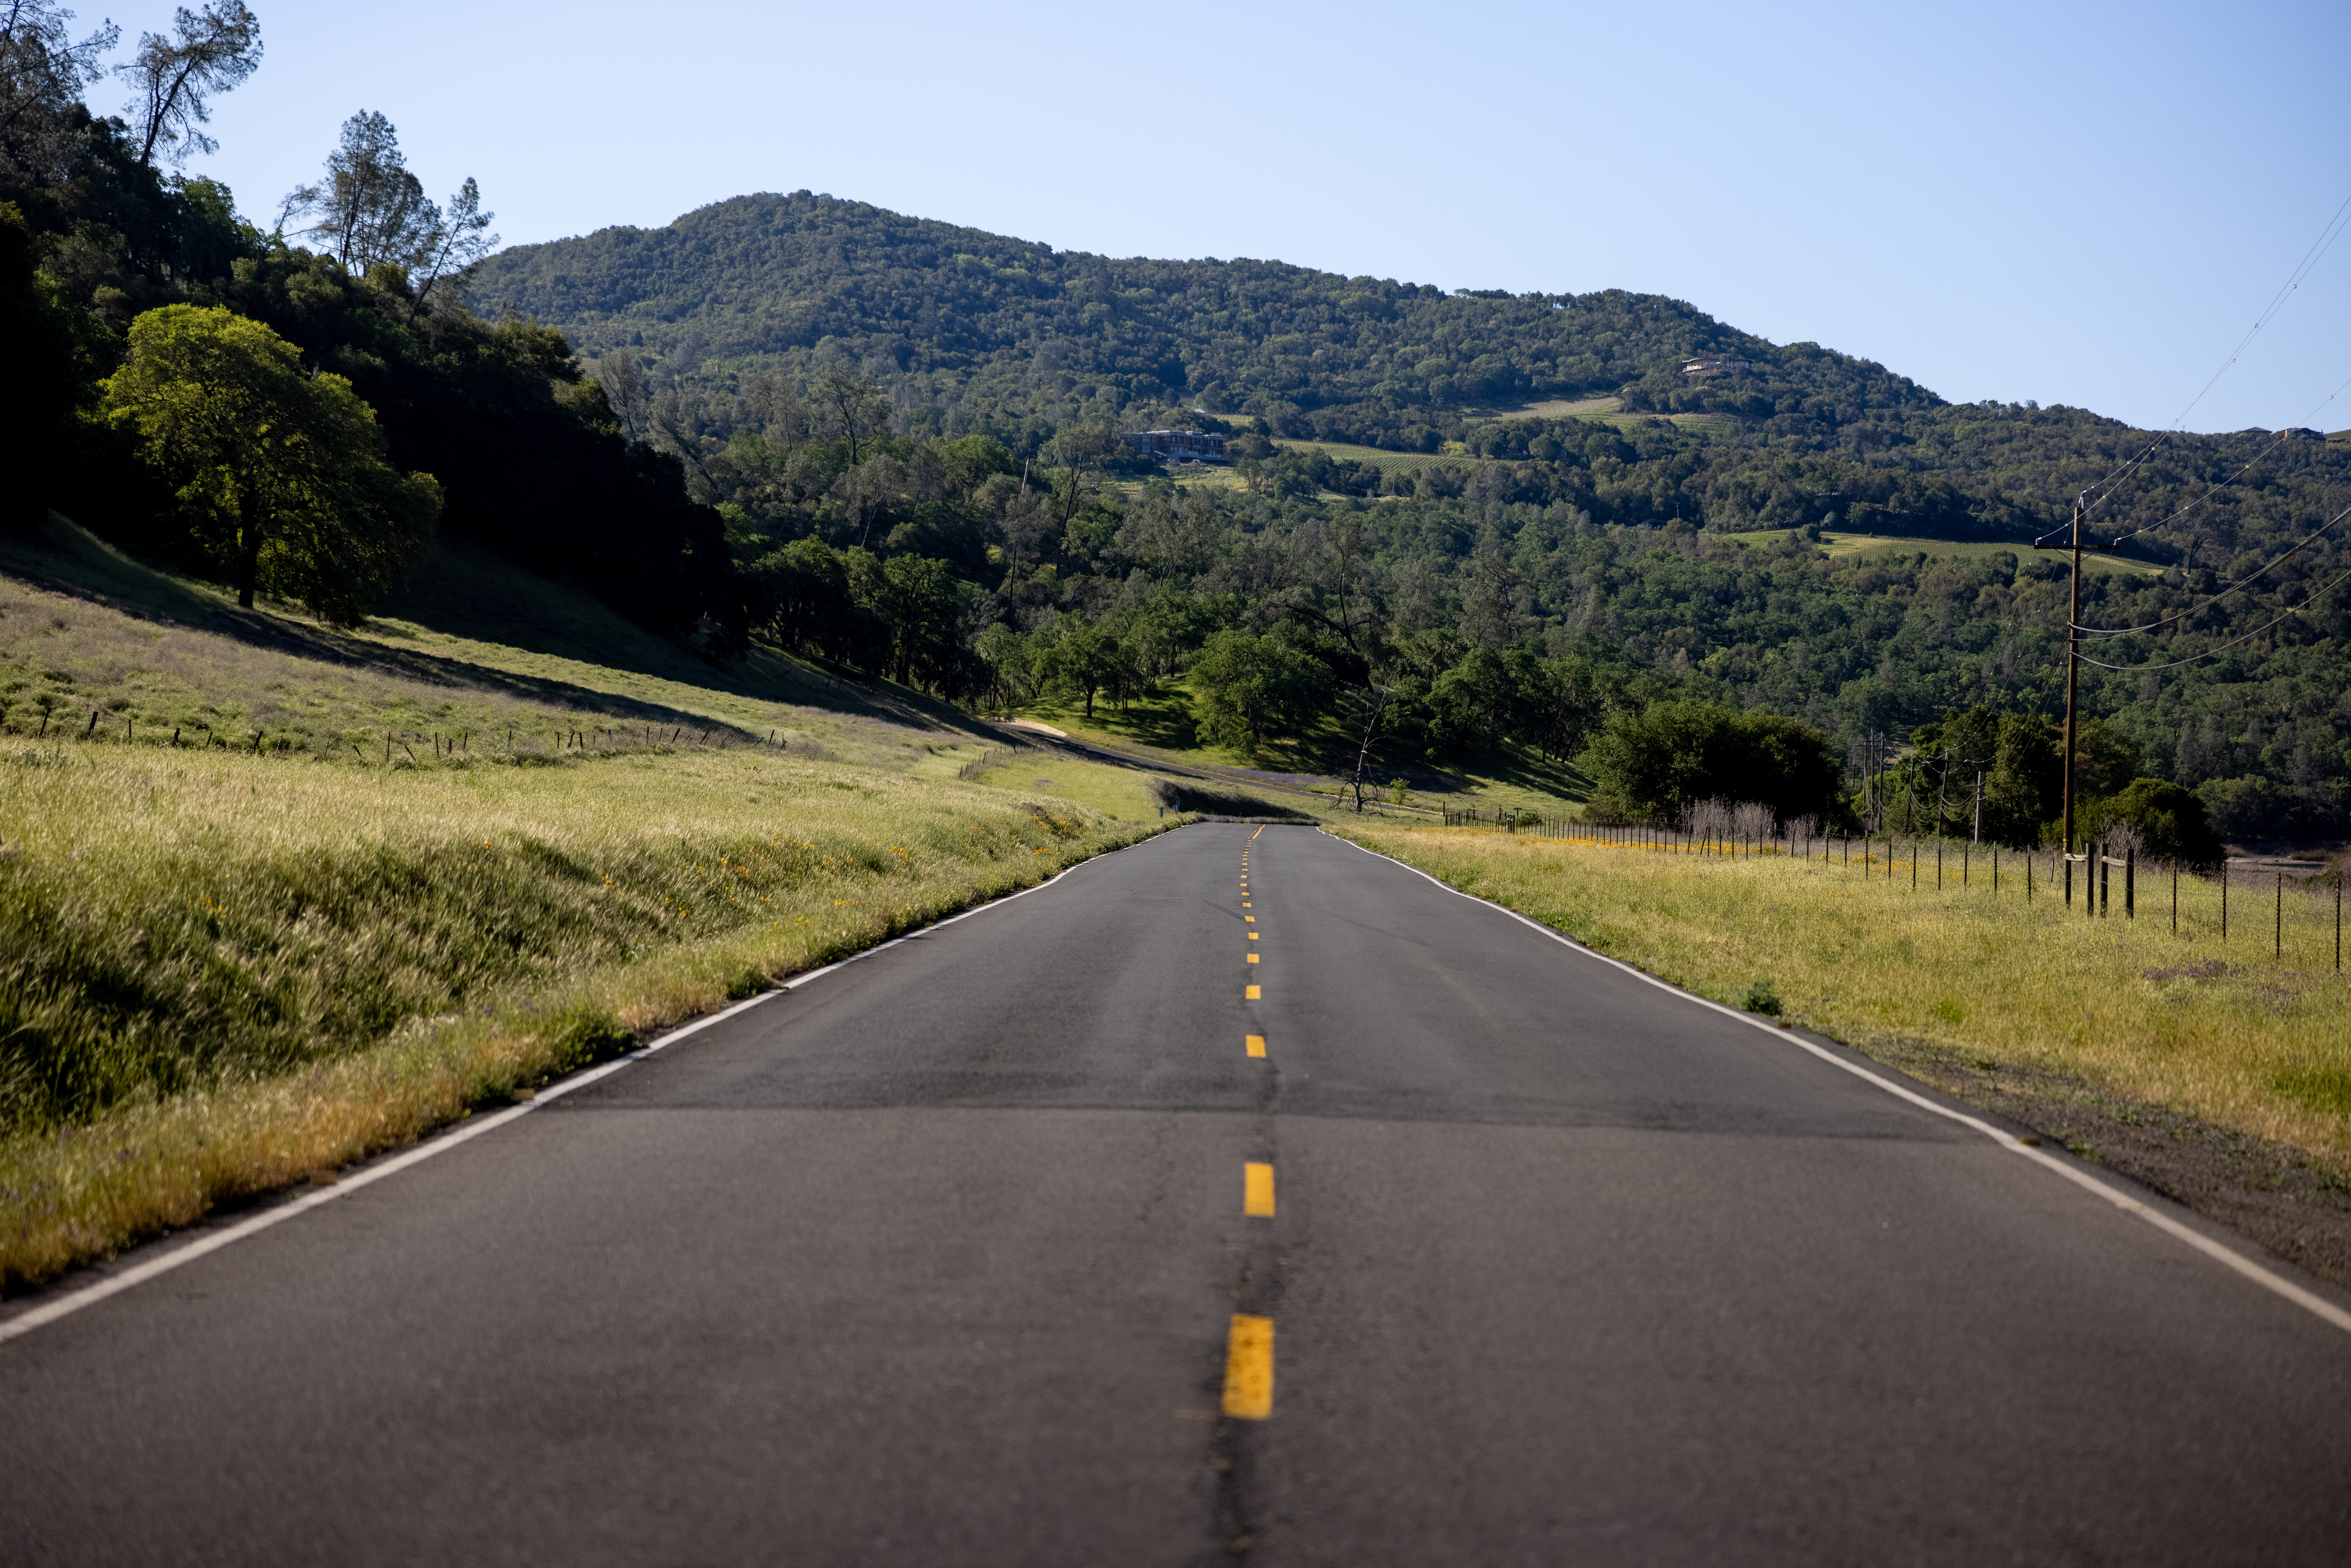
x,y
224,965
476,648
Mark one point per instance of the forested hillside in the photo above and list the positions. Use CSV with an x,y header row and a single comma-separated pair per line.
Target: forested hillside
x,y
889,444
971,331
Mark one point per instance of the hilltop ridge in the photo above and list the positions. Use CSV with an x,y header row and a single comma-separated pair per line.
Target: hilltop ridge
x,y
782,280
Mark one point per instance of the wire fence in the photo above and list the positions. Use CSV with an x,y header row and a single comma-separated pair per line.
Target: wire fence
x,y
2302,912
552,738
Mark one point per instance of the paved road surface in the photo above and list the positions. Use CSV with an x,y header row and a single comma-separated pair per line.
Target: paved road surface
x,y
942,1260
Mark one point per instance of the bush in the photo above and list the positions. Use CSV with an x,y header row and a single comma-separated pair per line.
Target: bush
x,y
2169,822
1653,765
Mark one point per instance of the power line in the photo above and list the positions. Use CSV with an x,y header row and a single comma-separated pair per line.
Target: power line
x,y
2310,258
2216,485
2249,577
2208,652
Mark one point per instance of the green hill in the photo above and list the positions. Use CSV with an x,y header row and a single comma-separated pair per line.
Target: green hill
x,y
768,279
977,331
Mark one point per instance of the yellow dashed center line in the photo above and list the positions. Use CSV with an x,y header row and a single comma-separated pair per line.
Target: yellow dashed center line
x,y
1257,1190
1248,1368
1249,1352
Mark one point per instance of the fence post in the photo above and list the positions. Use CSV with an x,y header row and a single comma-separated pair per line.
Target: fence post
x,y
2277,938
2131,883
2224,898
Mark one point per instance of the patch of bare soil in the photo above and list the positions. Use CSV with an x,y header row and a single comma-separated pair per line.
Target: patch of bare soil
x,y
2274,1193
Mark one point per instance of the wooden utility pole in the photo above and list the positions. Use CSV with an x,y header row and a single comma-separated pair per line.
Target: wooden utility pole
x,y
2073,683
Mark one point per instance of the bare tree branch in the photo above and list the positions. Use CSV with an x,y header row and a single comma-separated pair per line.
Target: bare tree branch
x,y
210,52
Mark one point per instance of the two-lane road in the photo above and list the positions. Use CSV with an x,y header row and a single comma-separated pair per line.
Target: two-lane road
x,y
963,1254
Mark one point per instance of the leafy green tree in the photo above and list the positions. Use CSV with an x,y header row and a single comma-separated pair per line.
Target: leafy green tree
x,y
2169,820
1254,690
279,474
1474,700
2025,789
2106,759
1088,657
914,596
1653,764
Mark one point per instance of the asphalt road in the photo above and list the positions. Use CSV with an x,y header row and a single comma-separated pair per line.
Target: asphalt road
x,y
944,1259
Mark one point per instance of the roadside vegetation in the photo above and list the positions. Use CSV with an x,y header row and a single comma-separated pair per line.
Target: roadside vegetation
x,y
2219,1031
222,971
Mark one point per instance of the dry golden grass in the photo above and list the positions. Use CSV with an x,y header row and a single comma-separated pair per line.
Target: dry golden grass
x,y
2218,1029
220,973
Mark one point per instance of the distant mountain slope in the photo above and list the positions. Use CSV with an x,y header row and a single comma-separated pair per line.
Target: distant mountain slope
x,y
978,331
769,278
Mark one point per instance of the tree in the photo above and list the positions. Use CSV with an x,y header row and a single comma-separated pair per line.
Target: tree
x,y
1655,763
850,404
628,392
38,395
278,474
210,52
2171,821
42,73
2106,759
371,212
1087,657
1252,690
454,248
915,597
2024,787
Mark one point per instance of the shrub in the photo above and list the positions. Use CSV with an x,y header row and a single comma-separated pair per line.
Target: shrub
x,y
2168,821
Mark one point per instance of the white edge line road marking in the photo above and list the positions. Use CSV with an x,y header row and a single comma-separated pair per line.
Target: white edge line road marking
x,y
441,1143
2267,1279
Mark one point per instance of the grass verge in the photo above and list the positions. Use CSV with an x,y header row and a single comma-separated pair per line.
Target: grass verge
x,y
221,973
2217,1030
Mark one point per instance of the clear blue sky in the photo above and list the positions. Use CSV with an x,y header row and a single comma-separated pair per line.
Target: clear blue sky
x,y
2085,204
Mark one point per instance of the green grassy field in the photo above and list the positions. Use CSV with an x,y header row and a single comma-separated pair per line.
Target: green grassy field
x,y
1119,794
1835,545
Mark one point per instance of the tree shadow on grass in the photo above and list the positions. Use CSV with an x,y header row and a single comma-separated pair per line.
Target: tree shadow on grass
x,y
468,592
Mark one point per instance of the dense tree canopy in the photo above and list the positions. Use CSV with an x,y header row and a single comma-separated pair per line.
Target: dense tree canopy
x,y
277,475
